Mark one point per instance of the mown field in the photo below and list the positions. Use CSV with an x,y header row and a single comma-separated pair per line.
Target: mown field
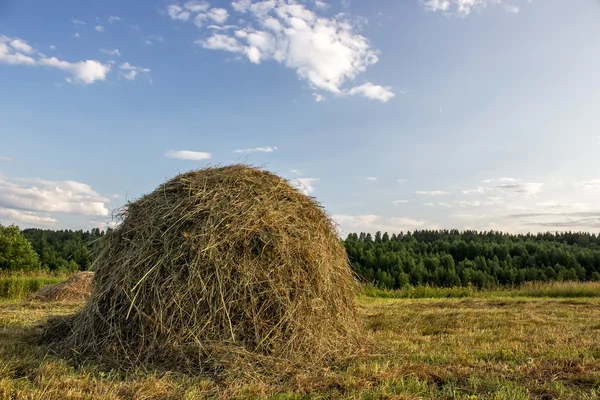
x,y
503,346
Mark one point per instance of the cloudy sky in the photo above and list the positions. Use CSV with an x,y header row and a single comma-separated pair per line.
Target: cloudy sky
x,y
396,115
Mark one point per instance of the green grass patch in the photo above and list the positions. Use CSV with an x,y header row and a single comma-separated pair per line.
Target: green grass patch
x,y
19,287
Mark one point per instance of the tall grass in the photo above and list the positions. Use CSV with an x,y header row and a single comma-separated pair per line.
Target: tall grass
x,y
20,286
530,289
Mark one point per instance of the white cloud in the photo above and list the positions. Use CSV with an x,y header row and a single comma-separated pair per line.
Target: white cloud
x,y
371,178
591,184
431,192
445,205
52,47
429,204
297,171
503,187
178,13
306,185
7,159
325,52
222,42
527,189
267,149
318,97
27,217
76,34
52,196
512,9
219,15
187,155
86,72
129,71
21,46
373,223
197,6
321,4
397,202
401,180
462,8
11,55
113,19
99,28
15,51
78,22
114,52
479,190
374,92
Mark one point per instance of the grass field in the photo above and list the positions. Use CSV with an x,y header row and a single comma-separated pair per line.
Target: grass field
x,y
20,286
469,348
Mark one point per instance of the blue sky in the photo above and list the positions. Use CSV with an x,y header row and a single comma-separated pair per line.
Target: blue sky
x,y
396,115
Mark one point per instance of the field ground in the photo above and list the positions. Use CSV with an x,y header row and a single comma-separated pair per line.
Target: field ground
x,y
456,348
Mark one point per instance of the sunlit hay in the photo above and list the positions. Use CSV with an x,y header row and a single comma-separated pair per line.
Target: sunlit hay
x,y
226,269
77,288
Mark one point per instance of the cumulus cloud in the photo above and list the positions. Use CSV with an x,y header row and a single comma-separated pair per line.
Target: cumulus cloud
x,y
21,46
15,51
431,192
325,52
78,22
219,15
187,155
375,92
113,19
463,8
11,55
129,71
267,149
27,217
198,12
86,72
373,223
306,185
99,28
37,194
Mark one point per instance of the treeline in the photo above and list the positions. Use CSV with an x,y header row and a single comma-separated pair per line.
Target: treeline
x,y
63,250
481,259
42,249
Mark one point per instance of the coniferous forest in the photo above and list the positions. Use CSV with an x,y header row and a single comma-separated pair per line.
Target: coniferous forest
x,y
436,258
481,259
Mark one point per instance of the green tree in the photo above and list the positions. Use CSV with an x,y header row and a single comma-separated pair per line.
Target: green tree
x,y
16,253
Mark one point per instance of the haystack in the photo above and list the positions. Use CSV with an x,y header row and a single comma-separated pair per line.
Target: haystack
x,y
220,268
77,288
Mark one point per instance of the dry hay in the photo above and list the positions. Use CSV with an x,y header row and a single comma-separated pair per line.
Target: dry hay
x,y
220,269
77,288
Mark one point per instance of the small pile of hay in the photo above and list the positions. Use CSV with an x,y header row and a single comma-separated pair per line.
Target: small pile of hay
x,y
221,268
77,288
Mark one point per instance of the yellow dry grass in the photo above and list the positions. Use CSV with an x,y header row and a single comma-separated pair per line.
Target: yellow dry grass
x,y
473,348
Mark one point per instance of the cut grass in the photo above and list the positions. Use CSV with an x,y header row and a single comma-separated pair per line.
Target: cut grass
x,y
471,348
